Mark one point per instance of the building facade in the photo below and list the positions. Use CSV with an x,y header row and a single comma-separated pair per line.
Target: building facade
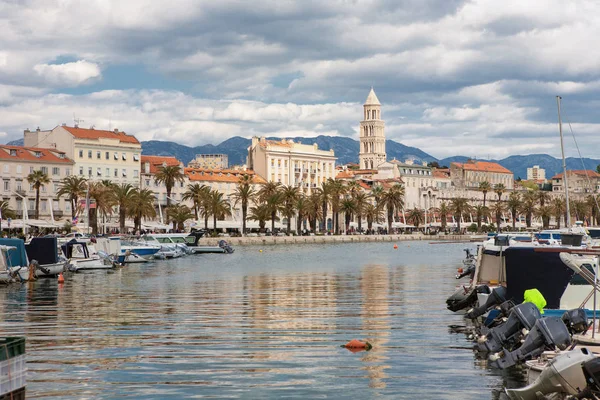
x,y
372,134
149,168
98,154
16,163
536,173
289,163
579,181
210,161
470,174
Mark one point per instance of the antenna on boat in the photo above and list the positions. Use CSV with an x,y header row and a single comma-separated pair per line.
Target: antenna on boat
x,y
562,149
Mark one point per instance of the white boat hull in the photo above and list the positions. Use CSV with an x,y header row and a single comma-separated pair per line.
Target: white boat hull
x,y
89,264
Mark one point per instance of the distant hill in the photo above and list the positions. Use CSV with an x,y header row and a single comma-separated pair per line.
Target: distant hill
x,y
18,142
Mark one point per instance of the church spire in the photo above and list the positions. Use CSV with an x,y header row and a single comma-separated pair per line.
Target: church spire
x,y
372,134
372,99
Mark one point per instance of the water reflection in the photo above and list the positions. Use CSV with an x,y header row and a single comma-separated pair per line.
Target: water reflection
x,y
252,324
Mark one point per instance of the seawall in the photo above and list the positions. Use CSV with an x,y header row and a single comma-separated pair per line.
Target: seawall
x,y
273,240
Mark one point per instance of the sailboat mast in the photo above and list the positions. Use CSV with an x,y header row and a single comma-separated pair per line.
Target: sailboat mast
x,y
562,149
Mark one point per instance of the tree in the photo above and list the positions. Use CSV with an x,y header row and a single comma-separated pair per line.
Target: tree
x,y
37,179
195,192
542,196
545,213
104,201
513,204
598,168
393,200
373,214
433,164
142,206
499,188
416,217
485,187
289,196
302,209
244,193
122,196
261,214
6,211
269,193
338,189
497,210
592,204
480,213
314,210
459,206
179,213
444,210
218,207
361,199
528,206
558,209
580,208
325,192
74,187
348,207
352,187
169,175
377,193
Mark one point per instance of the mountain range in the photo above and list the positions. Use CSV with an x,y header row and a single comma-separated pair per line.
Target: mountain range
x,y
346,150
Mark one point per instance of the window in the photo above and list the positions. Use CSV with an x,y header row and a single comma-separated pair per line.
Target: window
x,y
13,152
55,205
67,171
107,155
124,155
89,154
116,172
61,155
19,185
80,153
44,170
147,182
7,186
80,170
99,171
55,171
116,155
107,172
31,170
31,205
19,169
136,157
6,168
43,188
272,162
55,187
89,171
31,187
136,173
98,155
124,172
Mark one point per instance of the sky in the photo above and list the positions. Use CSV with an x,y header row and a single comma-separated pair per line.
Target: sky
x,y
472,78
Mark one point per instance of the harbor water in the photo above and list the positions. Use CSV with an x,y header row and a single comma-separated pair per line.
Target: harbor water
x,y
254,325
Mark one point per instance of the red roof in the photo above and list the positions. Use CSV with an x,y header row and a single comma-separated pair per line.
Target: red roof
x,y
441,173
579,172
82,133
220,175
29,154
482,166
156,162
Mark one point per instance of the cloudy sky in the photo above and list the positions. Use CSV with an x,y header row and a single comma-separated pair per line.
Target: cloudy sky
x,y
475,78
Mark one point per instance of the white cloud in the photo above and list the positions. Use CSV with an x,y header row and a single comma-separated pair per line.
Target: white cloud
x,y
68,74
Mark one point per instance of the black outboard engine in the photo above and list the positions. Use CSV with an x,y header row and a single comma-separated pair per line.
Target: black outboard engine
x,y
497,297
547,333
591,371
576,321
574,373
464,298
225,246
523,316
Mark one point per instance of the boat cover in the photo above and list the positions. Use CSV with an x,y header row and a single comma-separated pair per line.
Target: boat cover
x,y
43,249
18,257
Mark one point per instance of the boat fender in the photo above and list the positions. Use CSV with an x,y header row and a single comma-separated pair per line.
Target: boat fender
x,y
358,345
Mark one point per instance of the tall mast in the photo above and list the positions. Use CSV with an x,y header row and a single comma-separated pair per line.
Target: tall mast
x,y
562,149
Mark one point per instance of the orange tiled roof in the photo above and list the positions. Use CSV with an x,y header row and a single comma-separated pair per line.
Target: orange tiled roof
x,y
437,173
345,174
219,175
482,166
156,162
363,185
579,172
28,154
82,133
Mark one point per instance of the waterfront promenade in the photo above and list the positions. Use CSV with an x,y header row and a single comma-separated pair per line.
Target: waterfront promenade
x,y
327,239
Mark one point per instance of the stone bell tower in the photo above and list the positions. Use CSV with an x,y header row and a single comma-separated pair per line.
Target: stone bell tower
x,y
372,134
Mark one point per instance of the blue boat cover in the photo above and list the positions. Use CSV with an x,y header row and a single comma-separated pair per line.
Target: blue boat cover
x,y
18,257
43,249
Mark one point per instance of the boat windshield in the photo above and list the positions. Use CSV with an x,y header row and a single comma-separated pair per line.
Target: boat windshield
x,y
163,240
190,240
178,239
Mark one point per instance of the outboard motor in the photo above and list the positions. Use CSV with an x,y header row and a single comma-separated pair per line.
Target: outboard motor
x,y
547,333
523,316
225,246
469,271
497,297
464,298
576,321
563,374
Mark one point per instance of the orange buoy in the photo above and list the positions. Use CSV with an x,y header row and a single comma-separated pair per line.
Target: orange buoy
x,y
357,345
460,270
61,279
395,247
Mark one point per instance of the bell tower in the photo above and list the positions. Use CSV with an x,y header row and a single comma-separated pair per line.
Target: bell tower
x,y
372,134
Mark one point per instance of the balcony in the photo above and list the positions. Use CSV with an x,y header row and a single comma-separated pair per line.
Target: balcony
x,y
58,213
297,170
21,192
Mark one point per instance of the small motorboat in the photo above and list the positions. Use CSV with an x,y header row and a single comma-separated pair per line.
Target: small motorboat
x,y
44,250
80,258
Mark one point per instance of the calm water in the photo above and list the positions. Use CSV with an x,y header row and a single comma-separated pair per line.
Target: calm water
x,y
253,325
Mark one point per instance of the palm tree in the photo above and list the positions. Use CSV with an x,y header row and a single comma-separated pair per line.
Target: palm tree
x,y
444,210
480,213
103,202
415,216
74,187
338,189
289,196
592,204
352,187
270,193
373,214
558,209
325,192
513,204
459,206
179,213
580,208
169,175
244,193
262,214
528,206
393,200
37,179
195,193
545,213
543,197
497,209
6,211
348,207
141,206
377,193
499,188
485,187
122,196
302,207
361,199
218,207
314,210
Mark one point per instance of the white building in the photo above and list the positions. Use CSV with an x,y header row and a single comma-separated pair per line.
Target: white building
x,y
289,163
536,173
372,134
98,154
210,161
